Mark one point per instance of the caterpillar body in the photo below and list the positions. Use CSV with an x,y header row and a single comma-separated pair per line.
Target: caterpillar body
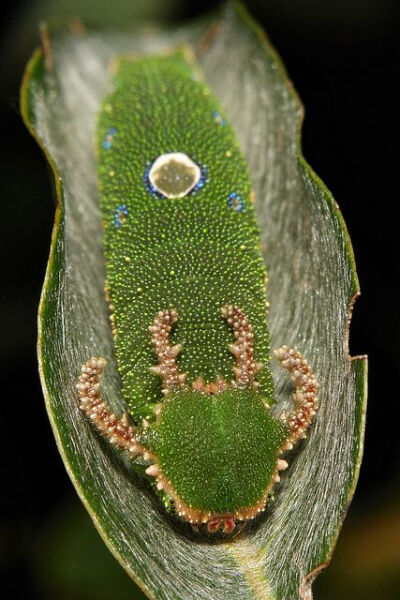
x,y
186,287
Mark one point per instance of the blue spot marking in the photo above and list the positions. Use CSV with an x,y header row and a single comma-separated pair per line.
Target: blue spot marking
x,y
147,181
235,202
218,118
202,181
108,140
120,214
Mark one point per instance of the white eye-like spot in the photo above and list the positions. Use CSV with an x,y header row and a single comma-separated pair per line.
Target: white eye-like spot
x,y
174,175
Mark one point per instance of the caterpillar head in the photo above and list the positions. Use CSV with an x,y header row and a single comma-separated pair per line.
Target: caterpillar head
x,y
216,455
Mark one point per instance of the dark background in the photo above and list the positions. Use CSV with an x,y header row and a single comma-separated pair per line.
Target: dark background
x,y
343,59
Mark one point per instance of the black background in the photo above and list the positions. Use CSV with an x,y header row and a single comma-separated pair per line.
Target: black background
x,y
343,60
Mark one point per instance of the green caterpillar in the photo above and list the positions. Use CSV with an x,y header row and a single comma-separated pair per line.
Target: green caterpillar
x,y
186,290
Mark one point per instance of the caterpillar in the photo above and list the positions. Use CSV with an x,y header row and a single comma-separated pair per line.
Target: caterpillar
x,y
186,288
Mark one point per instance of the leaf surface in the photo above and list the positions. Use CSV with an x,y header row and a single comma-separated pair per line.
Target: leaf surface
x,y
312,287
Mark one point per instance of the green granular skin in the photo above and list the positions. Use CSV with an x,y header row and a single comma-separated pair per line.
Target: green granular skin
x,y
194,254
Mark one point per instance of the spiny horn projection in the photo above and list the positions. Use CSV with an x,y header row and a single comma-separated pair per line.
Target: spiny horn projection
x,y
118,431
246,367
167,367
305,396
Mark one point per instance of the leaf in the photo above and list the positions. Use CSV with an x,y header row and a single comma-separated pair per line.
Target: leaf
x,y
313,285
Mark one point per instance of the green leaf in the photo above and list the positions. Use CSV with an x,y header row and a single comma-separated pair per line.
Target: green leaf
x,y
313,285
